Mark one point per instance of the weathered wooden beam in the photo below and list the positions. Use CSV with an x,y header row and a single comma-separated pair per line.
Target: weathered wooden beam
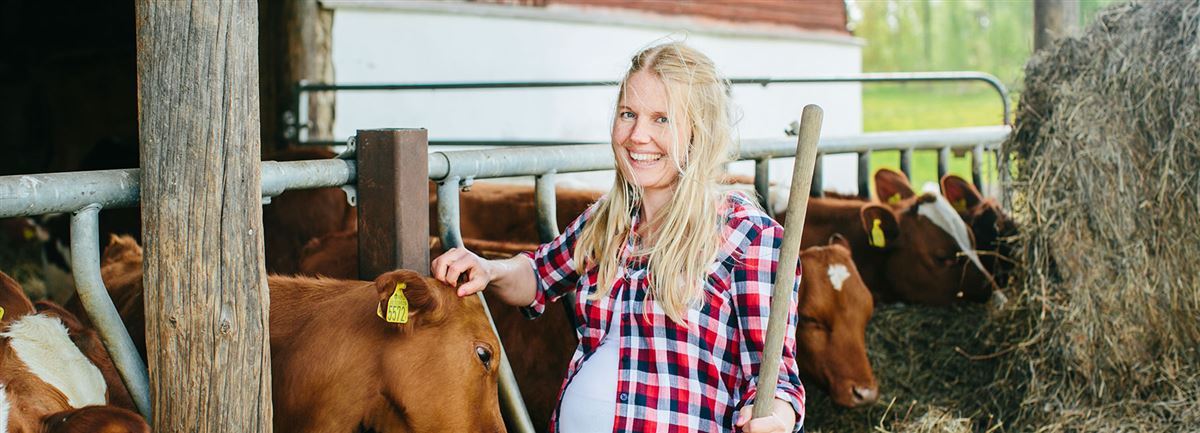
x,y
1053,19
206,288
393,201
295,43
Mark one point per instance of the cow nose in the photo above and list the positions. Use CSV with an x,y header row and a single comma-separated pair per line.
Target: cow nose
x,y
864,395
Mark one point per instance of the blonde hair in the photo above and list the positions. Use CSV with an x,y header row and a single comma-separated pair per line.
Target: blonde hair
x,y
685,234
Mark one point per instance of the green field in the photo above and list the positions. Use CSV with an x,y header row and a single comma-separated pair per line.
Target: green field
x,y
924,106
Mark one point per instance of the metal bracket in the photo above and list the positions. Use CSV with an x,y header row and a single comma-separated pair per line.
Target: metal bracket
x,y
351,194
351,148
465,184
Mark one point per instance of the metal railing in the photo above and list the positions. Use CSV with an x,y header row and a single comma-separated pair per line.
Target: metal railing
x,y
296,125
453,169
86,193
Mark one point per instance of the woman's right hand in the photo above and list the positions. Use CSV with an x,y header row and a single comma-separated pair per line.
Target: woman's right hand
x,y
456,263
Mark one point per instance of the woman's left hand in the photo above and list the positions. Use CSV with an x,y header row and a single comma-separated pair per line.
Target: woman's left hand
x,y
782,419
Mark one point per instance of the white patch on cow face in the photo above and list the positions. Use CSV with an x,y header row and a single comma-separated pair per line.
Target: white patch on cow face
x,y
3,409
838,275
943,215
42,343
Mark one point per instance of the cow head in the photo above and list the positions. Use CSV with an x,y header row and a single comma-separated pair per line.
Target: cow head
x,y
441,374
834,308
931,254
107,419
988,221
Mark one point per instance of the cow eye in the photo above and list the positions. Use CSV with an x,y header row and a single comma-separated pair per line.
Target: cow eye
x,y
810,322
485,356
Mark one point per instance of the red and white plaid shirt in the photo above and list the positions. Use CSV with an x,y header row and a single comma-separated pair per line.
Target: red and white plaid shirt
x,y
671,377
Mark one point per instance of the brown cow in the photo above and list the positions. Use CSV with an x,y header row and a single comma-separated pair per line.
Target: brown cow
x,y
903,254
835,306
988,222
337,366
54,374
295,217
508,213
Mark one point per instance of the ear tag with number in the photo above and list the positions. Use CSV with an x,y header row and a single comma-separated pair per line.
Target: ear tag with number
x,y
877,238
397,306
894,199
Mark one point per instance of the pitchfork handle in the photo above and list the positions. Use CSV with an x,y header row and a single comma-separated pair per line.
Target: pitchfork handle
x,y
789,255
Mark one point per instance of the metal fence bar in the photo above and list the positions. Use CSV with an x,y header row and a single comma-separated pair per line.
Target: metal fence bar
x,y
906,162
39,194
864,173
762,184
818,181
977,167
943,162
447,210
85,261
506,162
545,199
302,88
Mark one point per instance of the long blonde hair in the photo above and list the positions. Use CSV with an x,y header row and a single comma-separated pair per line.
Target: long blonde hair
x,y
685,234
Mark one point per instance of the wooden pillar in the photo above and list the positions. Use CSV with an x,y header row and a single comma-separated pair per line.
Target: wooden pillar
x,y
206,288
393,201
1052,19
295,43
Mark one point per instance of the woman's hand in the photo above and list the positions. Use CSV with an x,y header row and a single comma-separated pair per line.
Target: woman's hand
x,y
782,419
457,263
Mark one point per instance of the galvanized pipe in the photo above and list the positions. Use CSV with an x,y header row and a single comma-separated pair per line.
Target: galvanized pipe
x,y
977,167
762,184
864,174
547,228
906,162
818,180
943,164
39,194
511,403
85,264
506,162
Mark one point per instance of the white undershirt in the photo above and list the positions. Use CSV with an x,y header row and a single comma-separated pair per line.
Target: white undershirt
x,y
589,402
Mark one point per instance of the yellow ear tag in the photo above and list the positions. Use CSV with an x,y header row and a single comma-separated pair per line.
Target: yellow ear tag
x,y
28,233
877,239
960,204
397,308
1,313
895,198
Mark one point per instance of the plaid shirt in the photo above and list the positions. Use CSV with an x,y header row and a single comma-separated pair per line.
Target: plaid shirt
x,y
673,378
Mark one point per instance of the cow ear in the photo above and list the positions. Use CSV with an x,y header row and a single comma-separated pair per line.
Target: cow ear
x,y
405,296
880,224
120,246
960,193
13,299
892,187
838,239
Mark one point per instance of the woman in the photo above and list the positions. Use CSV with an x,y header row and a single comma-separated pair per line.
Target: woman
x,y
674,275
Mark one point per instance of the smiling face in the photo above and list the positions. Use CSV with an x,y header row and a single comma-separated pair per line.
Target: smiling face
x,y
647,135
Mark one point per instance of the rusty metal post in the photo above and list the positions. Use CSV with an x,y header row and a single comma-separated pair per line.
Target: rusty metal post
x,y
393,201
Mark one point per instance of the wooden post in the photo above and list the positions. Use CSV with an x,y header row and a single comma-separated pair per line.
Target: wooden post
x,y
393,201
295,43
206,288
1052,19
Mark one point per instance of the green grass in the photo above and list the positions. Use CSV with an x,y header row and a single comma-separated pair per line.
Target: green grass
x,y
891,107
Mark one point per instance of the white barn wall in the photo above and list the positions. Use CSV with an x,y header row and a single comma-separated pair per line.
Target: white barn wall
x,y
431,43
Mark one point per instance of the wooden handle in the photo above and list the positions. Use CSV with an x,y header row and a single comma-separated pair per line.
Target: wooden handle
x,y
789,256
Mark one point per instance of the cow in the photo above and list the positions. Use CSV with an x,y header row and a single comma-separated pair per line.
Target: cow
x,y
835,306
989,224
508,213
293,218
55,376
338,365
920,252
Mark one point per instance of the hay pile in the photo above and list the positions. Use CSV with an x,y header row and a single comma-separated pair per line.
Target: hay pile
x,y
1103,327
1107,151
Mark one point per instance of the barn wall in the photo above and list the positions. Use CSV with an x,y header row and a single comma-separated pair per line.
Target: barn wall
x,y
471,42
